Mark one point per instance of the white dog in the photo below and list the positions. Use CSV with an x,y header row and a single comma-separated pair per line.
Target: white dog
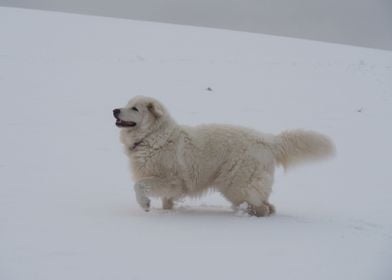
x,y
171,161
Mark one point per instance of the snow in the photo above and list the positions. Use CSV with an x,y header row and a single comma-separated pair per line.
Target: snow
x,y
67,208
355,22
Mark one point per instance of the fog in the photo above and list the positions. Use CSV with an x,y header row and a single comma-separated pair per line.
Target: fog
x,y
365,23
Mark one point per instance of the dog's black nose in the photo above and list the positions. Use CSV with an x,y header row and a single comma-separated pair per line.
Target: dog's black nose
x,y
116,112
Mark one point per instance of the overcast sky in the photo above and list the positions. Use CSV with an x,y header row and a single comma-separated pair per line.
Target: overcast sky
x,y
356,22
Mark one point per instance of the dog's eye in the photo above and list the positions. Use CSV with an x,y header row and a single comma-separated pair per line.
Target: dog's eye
x,y
135,109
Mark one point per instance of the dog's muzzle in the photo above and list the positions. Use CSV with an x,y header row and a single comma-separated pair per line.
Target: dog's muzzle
x,y
120,122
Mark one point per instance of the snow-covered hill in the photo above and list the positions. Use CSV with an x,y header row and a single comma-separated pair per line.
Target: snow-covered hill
x,y
67,208
356,22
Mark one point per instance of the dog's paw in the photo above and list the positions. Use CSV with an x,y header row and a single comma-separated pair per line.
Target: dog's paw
x,y
144,202
265,209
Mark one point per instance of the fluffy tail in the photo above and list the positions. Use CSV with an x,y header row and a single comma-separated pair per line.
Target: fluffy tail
x,y
297,146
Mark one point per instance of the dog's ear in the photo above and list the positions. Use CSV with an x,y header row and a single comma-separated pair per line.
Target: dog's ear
x,y
155,108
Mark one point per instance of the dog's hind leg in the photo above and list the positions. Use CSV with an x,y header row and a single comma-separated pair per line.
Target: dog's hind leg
x,y
258,193
234,196
255,194
167,203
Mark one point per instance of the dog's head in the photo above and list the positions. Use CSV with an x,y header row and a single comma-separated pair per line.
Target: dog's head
x,y
140,114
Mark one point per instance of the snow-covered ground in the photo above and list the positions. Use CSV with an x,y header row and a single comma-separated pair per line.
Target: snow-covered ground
x,y
67,208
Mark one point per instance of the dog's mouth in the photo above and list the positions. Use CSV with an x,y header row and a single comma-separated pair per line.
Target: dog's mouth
x,y
121,123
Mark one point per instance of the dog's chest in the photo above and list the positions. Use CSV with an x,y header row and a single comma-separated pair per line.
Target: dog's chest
x,y
154,163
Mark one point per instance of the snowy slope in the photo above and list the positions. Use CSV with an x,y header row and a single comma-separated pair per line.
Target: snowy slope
x,y
67,208
355,22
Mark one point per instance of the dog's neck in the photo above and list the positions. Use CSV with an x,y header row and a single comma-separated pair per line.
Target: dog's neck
x,y
158,140
133,147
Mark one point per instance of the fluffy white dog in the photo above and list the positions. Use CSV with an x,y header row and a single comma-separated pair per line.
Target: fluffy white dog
x,y
171,161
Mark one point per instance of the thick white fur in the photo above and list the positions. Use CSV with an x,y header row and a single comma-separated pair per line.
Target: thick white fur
x,y
171,161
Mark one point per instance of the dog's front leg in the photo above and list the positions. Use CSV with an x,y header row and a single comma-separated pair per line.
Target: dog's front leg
x,y
150,187
141,190
167,189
